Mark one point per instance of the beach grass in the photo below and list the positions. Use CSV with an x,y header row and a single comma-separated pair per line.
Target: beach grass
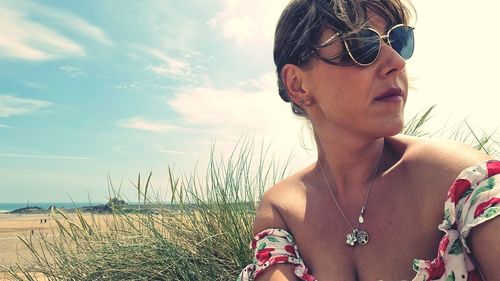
x,y
201,233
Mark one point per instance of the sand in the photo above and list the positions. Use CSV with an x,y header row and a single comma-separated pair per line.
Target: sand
x,y
12,225
12,250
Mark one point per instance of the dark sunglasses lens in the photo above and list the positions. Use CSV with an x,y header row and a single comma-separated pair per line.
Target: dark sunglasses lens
x,y
402,41
363,46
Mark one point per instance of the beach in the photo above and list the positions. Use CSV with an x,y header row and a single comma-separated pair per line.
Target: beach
x,y
12,249
25,225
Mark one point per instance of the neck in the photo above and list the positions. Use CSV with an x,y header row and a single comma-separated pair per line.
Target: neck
x,y
349,163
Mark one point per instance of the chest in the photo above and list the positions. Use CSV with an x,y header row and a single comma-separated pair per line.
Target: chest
x,y
399,230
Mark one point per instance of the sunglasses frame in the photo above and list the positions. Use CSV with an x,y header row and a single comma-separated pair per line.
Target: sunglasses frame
x,y
381,37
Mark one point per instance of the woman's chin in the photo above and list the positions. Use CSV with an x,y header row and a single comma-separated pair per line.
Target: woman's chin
x,y
392,128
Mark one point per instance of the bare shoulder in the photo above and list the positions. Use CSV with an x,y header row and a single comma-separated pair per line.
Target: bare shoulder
x,y
431,167
438,155
277,200
434,164
444,155
271,213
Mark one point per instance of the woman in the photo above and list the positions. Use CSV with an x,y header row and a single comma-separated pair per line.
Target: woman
x,y
370,207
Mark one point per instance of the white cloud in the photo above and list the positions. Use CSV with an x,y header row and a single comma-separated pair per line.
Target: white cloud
x,y
249,23
4,126
233,113
128,86
168,66
12,105
174,69
77,24
23,39
182,66
266,81
165,58
29,39
215,107
140,123
143,86
72,71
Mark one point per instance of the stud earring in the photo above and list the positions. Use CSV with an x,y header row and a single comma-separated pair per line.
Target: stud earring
x,y
307,101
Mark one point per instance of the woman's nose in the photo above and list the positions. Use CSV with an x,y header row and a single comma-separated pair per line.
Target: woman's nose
x,y
390,61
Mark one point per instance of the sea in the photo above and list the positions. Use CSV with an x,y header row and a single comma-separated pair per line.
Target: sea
x,y
7,207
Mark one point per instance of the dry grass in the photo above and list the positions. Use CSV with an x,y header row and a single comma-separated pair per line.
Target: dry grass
x,y
205,237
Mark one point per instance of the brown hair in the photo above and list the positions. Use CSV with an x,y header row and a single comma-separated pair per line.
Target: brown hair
x,y
302,22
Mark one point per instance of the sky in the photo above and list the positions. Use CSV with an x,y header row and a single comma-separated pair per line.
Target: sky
x,y
91,90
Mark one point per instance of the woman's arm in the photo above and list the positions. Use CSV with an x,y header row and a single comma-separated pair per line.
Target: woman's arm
x,y
485,247
269,217
278,272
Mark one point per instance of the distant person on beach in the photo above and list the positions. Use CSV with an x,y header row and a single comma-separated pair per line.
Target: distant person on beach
x,y
376,205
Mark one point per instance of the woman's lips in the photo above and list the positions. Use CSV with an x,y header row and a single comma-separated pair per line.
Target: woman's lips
x,y
391,99
391,95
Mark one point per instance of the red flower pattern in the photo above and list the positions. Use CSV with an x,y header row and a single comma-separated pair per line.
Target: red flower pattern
x,y
290,249
279,259
436,269
493,168
264,255
443,245
458,189
308,277
485,205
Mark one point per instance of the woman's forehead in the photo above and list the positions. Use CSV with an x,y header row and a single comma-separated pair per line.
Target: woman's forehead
x,y
377,22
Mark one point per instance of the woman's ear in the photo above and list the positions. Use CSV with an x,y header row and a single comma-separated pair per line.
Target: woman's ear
x,y
295,81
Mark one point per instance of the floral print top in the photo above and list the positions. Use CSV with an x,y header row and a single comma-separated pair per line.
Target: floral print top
x,y
473,199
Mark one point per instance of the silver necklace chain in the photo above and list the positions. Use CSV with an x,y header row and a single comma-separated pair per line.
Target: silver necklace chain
x,y
356,236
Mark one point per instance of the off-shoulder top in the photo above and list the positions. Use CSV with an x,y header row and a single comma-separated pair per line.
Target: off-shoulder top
x,y
473,199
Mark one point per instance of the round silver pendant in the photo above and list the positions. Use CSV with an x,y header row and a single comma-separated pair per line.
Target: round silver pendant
x,y
362,237
351,239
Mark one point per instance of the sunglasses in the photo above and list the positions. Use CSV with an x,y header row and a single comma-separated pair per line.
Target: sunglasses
x,y
364,46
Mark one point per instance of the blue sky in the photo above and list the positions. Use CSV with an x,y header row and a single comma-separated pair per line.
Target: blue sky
x,y
96,88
